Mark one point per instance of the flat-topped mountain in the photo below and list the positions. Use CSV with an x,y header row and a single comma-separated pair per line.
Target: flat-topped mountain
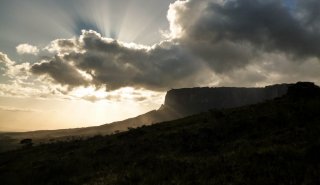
x,y
194,100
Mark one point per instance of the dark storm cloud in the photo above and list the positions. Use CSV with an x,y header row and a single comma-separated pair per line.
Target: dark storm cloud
x,y
60,71
116,65
228,35
234,38
309,13
66,43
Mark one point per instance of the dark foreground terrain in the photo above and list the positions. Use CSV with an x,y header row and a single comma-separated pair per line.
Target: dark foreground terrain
x,y
178,103
275,142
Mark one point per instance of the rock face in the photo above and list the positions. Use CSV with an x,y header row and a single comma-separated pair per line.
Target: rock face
x,y
194,100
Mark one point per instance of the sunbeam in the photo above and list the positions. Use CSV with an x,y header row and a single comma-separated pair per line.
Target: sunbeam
x,y
124,20
130,52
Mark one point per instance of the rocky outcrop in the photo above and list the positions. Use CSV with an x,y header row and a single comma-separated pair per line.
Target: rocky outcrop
x,y
303,90
194,100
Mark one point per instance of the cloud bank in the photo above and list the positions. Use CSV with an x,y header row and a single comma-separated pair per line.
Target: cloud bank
x,y
116,64
209,42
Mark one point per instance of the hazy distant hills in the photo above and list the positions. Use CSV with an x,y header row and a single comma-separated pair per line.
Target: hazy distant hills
x,y
273,142
178,103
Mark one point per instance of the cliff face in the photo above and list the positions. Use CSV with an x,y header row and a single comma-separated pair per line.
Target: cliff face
x,y
193,100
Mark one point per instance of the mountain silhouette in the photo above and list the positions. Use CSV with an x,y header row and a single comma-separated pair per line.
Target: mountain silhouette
x,y
194,100
273,142
178,103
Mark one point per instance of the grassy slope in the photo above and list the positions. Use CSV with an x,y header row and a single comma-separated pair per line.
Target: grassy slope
x,y
276,142
11,141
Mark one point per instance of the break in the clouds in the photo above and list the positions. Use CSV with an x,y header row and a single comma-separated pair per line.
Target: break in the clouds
x,y
27,49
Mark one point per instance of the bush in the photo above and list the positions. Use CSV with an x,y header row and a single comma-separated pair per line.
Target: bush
x,y
26,142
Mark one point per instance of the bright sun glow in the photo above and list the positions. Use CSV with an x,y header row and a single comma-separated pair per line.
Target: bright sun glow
x,y
126,94
89,91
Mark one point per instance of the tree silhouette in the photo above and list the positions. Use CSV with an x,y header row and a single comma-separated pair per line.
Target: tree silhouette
x,y
26,142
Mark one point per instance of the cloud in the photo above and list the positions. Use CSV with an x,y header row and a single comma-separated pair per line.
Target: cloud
x,y
92,98
231,42
15,109
209,43
62,72
230,34
117,64
13,70
4,59
62,46
27,49
18,81
127,94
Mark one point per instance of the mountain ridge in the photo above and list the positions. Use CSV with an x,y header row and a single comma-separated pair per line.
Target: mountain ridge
x,y
194,100
168,111
273,142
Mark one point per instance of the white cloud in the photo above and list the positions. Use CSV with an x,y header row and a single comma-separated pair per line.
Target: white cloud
x,y
13,70
27,49
16,109
5,59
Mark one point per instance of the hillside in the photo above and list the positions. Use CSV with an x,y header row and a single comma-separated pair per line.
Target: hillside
x,y
275,142
178,103
10,141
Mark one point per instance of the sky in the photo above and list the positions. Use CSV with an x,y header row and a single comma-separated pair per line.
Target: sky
x,y
77,63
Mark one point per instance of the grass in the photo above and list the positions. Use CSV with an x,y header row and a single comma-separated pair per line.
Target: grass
x,y
276,142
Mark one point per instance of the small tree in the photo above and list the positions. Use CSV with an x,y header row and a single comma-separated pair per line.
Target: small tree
x,y
117,131
26,142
